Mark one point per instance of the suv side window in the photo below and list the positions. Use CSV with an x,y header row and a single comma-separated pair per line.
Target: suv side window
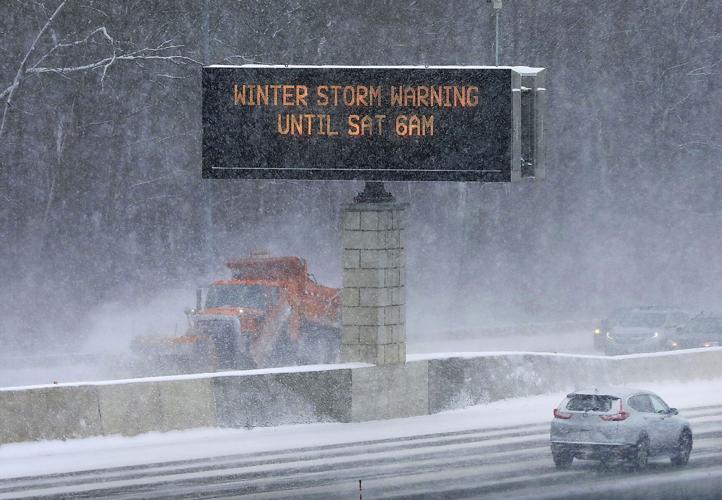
x,y
658,405
641,402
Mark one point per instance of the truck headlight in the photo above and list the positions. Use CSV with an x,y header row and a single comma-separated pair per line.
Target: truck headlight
x,y
597,331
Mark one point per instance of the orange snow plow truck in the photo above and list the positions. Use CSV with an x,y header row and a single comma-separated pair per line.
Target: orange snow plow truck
x,y
270,313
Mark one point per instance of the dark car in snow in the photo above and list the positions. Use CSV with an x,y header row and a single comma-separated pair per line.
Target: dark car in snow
x,y
607,324
644,329
701,331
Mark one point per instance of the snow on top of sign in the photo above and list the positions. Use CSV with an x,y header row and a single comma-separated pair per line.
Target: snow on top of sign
x,y
518,69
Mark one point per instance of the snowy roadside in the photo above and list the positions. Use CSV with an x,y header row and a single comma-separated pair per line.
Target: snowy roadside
x,y
48,457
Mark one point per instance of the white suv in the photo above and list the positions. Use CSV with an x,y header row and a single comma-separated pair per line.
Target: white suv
x,y
618,423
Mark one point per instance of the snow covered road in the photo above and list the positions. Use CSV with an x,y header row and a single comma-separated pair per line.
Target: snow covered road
x,y
500,449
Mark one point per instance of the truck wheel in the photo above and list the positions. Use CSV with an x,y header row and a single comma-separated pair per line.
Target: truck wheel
x,y
683,449
314,348
283,354
320,345
331,341
326,346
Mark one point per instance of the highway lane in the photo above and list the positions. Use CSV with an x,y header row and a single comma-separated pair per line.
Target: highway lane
x,y
504,462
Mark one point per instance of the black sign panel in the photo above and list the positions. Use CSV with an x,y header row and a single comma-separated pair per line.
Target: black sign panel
x,y
368,123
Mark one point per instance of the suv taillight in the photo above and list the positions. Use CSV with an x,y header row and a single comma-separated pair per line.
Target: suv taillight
x,y
562,415
621,415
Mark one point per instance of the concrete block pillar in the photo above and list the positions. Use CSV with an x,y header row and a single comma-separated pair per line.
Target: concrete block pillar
x,y
374,278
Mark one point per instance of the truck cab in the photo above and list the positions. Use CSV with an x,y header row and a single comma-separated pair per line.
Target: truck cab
x,y
270,313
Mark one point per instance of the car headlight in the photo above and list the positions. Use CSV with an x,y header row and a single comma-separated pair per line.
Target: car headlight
x,y
656,334
597,331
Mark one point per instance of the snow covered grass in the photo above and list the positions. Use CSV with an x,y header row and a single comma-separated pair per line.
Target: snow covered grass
x,y
24,459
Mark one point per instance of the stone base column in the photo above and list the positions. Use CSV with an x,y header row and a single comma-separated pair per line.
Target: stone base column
x,y
374,278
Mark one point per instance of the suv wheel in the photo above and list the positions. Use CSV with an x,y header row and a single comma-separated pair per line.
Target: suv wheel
x,y
562,458
640,455
683,449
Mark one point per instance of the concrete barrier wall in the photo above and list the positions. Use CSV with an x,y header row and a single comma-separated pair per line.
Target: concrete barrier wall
x,y
236,399
677,365
283,398
49,413
460,382
340,393
133,408
390,391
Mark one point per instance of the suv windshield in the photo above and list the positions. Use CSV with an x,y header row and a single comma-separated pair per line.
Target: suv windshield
x,y
590,402
251,296
640,319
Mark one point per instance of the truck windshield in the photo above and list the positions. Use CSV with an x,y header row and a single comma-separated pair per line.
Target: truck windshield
x,y
251,296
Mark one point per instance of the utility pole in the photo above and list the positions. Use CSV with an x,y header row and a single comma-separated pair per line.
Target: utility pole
x,y
207,184
496,4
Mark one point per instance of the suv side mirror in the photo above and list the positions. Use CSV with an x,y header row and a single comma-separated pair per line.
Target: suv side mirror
x,y
673,411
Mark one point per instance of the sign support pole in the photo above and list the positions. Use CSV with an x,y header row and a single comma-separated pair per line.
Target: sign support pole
x,y
374,278
374,192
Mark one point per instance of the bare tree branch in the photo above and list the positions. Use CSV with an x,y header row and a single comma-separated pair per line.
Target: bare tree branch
x,y
73,44
40,66
108,61
8,93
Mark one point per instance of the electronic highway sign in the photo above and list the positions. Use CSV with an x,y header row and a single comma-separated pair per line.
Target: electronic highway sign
x,y
373,123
